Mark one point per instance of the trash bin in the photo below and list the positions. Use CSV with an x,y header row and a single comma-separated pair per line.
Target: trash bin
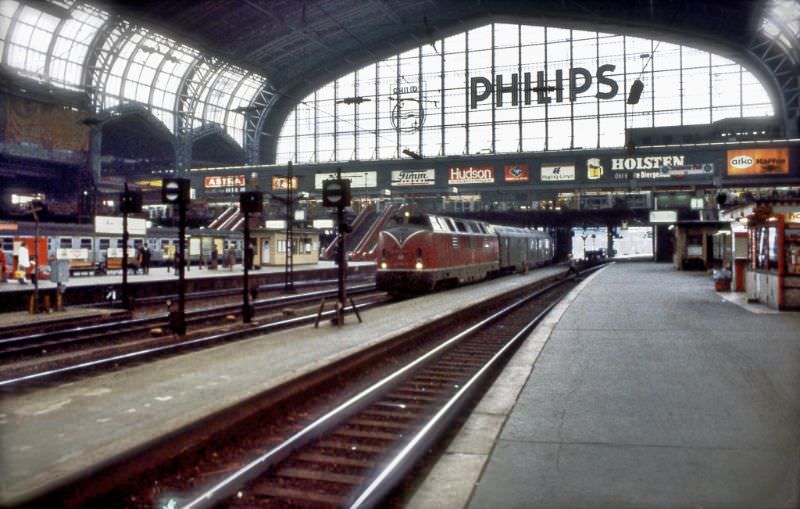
x,y
59,271
722,280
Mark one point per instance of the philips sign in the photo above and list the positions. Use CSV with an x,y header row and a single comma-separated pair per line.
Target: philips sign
x,y
576,81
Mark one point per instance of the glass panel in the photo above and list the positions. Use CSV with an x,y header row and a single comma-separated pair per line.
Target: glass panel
x,y
563,99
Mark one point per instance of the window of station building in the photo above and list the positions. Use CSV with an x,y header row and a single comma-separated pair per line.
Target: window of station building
x,y
65,243
86,244
456,105
8,244
104,244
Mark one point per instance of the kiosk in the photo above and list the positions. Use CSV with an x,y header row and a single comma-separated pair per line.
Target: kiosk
x,y
773,272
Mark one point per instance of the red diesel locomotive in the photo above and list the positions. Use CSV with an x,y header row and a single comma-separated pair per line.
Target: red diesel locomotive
x,y
420,252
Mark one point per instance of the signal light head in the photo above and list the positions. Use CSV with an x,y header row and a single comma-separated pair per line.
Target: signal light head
x,y
175,191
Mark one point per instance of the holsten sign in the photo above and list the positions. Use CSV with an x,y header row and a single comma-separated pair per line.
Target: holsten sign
x,y
645,163
578,79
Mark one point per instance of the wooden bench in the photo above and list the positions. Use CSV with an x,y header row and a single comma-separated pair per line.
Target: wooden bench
x,y
114,264
81,267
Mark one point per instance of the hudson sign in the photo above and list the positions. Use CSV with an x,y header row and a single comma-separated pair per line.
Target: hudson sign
x,y
471,175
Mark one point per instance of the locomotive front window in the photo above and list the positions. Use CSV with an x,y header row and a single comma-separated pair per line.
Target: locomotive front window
x,y
419,220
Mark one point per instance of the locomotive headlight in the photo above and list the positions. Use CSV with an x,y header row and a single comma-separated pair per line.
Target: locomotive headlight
x,y
384,265
418,265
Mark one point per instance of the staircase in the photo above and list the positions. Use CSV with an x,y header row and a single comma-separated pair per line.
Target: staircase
x,y
359,227
365,249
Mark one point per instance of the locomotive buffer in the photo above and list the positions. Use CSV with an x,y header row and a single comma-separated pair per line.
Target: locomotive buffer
x,y
336,193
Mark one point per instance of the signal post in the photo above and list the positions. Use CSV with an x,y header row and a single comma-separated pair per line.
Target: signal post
x,y
249,203
175,191
336,193
130,202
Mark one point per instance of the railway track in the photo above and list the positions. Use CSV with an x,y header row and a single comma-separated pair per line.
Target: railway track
x,y
140,348
153,305
343,437
356,455
35,342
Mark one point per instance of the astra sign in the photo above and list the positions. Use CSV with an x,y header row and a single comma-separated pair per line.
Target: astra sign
x,y
577,80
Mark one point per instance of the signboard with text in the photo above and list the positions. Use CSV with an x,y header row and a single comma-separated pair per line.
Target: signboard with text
x,y
224,182
515,172
413,177
471,175
758,161
113,225
555,173
358,179
282,183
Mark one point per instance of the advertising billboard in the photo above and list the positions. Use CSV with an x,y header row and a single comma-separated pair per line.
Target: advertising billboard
x,y
515,172
113,225
554,173
282,183
594,168
413,177
224,181
471,175
358,179
758,161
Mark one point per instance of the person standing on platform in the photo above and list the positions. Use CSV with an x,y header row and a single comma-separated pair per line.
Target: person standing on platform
x,y
3,268
23,262
146,259
249,253
139,259
214,257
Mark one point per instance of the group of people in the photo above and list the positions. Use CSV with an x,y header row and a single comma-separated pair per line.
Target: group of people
x,y
143,256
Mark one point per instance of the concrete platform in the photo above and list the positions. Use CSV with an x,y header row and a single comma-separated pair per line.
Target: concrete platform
x,y
161,274
650,391
50,434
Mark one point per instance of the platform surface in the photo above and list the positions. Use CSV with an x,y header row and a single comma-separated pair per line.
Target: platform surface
x,y
17,318
49,434
162,274
651,392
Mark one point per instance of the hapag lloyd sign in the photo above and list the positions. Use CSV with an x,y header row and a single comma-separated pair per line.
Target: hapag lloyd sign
x,y
471,175
576,81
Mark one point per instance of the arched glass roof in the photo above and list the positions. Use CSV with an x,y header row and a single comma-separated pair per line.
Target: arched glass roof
x,y
52,44
503,88
781,23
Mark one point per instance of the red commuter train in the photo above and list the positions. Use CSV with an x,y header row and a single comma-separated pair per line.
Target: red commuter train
x,y
419,252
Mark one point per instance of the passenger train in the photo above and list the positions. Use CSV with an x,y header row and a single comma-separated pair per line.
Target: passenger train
x,y
419,252
93,247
